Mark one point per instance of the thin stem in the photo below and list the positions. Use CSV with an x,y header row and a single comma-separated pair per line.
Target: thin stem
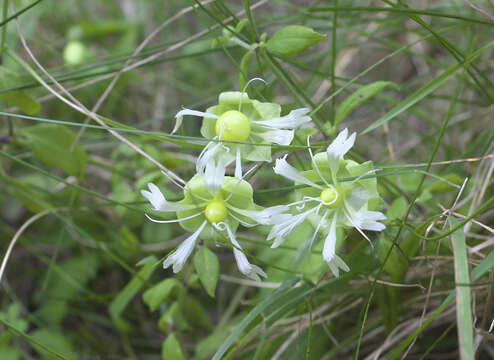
x,y
4,30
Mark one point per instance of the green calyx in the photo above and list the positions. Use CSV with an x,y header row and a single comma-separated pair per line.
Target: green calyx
x,y
216,211
233,126
331,197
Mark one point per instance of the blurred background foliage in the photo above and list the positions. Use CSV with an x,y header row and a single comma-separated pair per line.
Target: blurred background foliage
x,y
85,280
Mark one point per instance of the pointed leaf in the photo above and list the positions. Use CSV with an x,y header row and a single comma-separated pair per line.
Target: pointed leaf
x,y
52,144
171,349
22,100
208,268
293,39
156,295
358,97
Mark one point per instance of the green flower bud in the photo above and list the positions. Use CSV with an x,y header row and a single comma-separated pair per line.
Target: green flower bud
x,y
216,211
332,196
74,52
233,126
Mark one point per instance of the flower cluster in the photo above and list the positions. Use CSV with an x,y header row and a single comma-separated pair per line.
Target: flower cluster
x,y
214,205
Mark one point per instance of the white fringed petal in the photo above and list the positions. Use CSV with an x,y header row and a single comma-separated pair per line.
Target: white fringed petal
x,y
180,115
283,168
280,137
336,264
159,202
213,151
215,174
180,256
368,220
262,217
244,266
285,224
329,248
291,121
338,148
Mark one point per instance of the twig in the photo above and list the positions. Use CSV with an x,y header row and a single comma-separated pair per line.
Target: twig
x,y
16,237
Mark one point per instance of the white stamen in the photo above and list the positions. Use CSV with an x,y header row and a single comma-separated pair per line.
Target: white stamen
x,y
314,162
172,221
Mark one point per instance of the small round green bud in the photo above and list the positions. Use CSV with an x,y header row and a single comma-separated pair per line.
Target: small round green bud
x,y
216,211
73,53
331,196
233,126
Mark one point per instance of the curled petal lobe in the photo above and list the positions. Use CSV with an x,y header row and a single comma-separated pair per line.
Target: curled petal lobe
x,y
180,115
180,256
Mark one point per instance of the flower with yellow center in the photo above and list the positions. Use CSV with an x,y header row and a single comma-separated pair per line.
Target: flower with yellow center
x,y
332,204
212,208
238,125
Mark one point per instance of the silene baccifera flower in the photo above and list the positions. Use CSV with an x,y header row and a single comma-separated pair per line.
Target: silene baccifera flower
x,y
239,125
213,204
329,203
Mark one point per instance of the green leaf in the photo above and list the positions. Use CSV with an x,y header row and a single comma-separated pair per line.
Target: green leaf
x,y
9,353
463,302
208,268
53,340
293,39
173,318
397,209
156,295
51,144
22,100
123,298
358,97
171,349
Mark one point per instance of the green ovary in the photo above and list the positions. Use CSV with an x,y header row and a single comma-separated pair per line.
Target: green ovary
x,y
333,196
233,126
216,211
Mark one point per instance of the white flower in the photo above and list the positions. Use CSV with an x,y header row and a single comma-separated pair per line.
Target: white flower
x,y
343,204
226,203
238,126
